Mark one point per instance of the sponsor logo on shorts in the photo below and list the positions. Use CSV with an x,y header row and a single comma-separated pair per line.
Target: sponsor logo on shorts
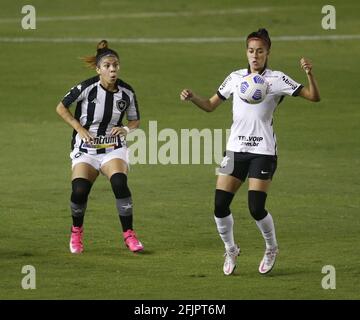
x,y
224,162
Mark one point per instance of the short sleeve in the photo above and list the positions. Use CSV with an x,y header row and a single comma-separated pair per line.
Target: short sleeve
x,y
288,86
226,88
132,112
74,95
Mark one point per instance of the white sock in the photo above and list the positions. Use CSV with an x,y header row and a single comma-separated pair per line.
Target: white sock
x,y
267,229
225,229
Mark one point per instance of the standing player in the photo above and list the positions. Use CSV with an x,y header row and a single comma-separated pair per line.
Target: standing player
x,y
251,150
98,142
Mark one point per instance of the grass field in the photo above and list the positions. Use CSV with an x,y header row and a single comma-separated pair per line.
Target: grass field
x,y
314,197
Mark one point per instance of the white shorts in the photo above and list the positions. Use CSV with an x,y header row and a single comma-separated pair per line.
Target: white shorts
x,y
98,160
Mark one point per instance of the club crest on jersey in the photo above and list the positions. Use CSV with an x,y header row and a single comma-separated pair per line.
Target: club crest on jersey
x,y
121,105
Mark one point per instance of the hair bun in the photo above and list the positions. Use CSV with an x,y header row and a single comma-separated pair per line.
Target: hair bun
x,y
263,31
103,44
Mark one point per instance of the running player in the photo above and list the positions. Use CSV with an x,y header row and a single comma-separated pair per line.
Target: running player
x,y
99,141
251,150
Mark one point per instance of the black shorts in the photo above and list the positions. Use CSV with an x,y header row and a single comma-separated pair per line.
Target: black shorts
x,y
244,164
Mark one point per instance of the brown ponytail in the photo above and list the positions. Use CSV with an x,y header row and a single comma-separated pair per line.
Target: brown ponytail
x,y
102,50
103,44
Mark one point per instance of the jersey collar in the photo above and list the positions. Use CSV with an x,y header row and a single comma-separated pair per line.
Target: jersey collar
x,y
262,72
108,90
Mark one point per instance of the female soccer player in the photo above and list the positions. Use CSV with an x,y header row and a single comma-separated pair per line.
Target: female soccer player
x,y
251,150
98,142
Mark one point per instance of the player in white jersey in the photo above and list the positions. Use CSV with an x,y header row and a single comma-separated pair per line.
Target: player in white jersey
x,y
99,141
251,149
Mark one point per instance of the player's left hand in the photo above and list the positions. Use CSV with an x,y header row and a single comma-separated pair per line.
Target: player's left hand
x,y
116,131
306,65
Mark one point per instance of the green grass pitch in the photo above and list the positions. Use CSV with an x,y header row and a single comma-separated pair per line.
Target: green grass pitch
x,y
314,198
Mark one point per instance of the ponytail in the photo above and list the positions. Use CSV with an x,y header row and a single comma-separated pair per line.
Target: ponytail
x,y
102,50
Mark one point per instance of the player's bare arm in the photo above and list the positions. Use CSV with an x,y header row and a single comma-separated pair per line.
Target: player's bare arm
x,y
207,105
311,92
65,113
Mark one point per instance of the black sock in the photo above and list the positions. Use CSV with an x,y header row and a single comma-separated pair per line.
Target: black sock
x,y
78,221
126,222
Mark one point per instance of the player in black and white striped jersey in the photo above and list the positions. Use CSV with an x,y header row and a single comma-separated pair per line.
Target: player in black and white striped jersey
x,y
99,140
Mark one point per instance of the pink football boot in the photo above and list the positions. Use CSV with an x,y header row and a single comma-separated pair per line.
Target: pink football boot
x,y
132,242
76,240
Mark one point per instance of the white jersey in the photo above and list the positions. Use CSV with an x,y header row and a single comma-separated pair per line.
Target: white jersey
x,y
252,127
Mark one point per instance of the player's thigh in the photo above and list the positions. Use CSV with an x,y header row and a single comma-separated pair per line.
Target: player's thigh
x,y
259,185
228,183
85,171
261,172
114,166
117,161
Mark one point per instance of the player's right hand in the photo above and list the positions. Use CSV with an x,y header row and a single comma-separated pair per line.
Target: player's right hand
x,y
85,135
186,94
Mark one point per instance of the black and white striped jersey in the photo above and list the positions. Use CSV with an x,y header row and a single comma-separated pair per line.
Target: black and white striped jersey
x,y
99,110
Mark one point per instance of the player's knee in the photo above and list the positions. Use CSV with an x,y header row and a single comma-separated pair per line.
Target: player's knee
x,y
80,190
222,203
256,202
119,185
